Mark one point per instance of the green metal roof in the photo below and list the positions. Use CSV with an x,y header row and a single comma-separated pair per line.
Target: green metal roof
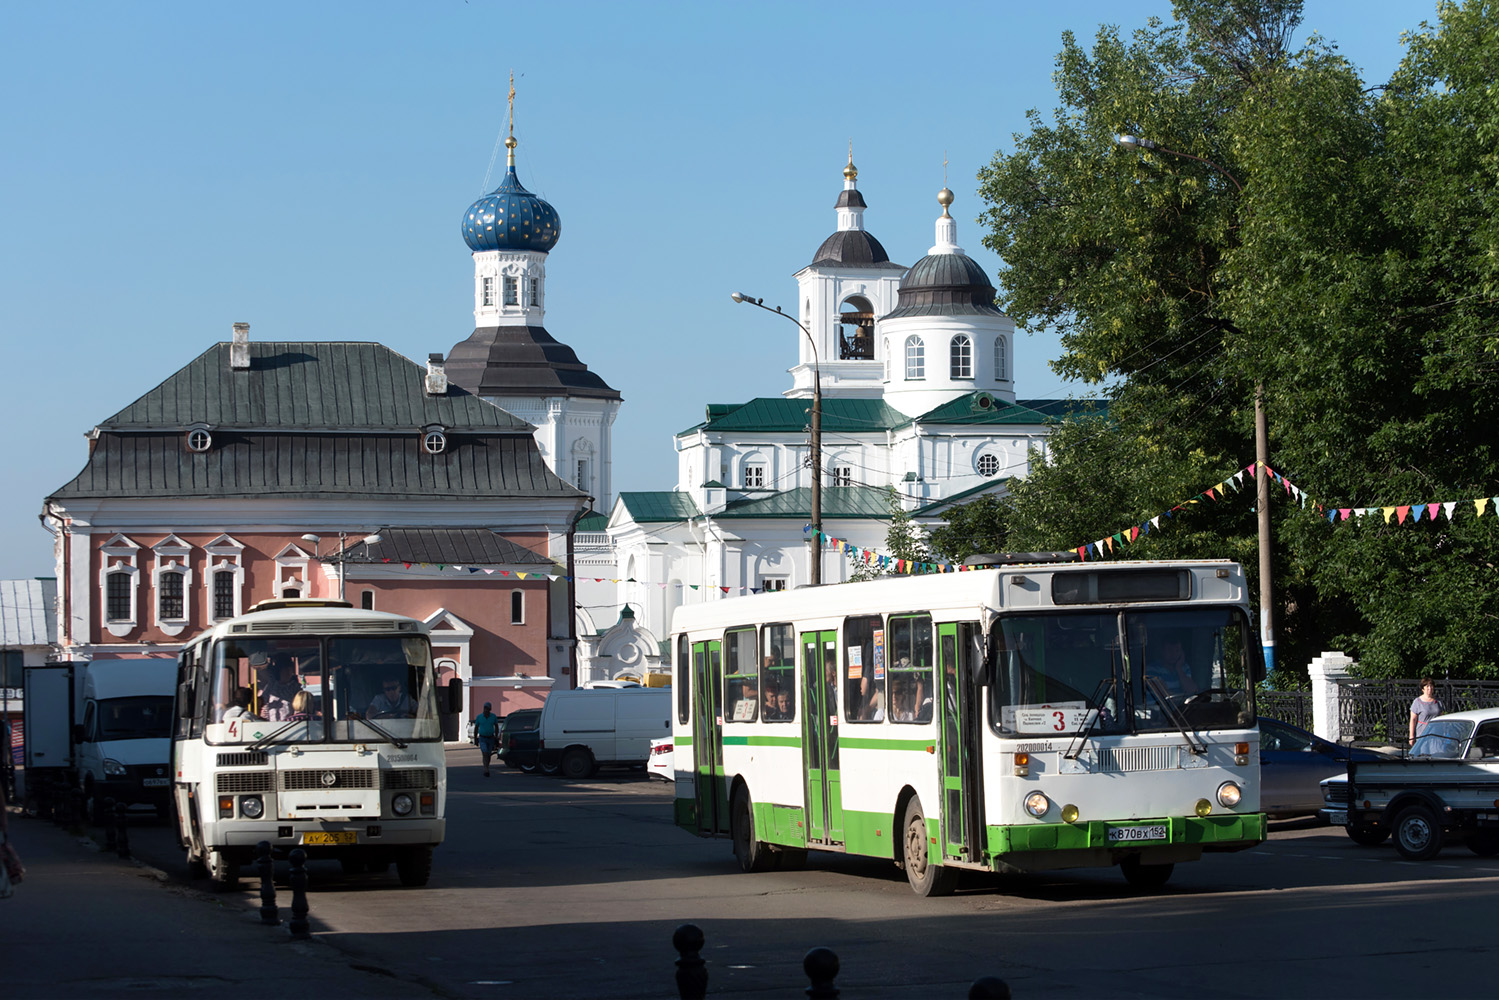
x,y
837,502
988,486
772,414
660,505
591,521
964,410
308,386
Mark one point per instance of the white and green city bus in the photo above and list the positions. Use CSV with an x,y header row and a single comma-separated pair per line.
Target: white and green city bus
x,y
310,725
1023,716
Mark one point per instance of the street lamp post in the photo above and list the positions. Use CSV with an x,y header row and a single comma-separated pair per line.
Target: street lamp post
x,y
815,541
343,536
1261,438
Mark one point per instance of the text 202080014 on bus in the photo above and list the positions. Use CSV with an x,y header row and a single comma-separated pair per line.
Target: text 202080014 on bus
x,y
311,725
1023,717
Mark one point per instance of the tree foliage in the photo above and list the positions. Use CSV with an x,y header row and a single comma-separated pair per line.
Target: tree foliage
x,y
1293,229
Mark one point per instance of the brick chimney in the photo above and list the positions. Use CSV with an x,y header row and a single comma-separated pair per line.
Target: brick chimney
x,y
239,348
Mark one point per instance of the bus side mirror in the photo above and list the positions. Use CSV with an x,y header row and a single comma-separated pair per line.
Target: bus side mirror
x,y
455,694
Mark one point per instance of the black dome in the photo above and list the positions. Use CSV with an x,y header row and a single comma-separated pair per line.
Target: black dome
x,y
851,248
945,284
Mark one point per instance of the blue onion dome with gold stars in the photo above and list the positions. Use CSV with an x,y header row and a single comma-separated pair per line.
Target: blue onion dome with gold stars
x,y
511,218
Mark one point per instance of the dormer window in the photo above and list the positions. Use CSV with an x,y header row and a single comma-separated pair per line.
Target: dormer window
x,y
435,441
199,440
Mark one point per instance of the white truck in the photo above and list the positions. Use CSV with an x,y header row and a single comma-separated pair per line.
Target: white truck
x,y
101,730
1446,787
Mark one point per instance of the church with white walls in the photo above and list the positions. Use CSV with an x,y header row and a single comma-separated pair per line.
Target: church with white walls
x,y
915,366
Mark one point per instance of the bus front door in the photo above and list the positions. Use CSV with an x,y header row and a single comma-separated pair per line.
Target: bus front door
x,y
820,737
711,790
961,823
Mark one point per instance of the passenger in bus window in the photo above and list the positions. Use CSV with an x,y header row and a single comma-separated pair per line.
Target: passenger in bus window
x,y
768,710
392,702
301,706
785,705
278,685
239,707
871,700
903,688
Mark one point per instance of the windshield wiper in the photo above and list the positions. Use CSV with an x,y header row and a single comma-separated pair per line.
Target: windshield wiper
x,y
271,737
1090,720
381,730
1154,686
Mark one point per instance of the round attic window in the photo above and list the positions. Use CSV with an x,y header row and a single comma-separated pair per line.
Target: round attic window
x,y
436,442
199,440
988,465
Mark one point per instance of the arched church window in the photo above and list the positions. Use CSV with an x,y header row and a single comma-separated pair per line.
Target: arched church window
x,y
856,330
1001,362
961,357
915,358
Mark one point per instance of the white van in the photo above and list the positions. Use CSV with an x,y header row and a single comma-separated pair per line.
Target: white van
x,y
584,729
124,734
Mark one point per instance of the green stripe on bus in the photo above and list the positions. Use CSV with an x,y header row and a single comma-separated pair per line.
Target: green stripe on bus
x,y
865,743
762,741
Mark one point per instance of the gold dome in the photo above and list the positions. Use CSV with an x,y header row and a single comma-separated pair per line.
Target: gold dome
x,y
851,172
944,198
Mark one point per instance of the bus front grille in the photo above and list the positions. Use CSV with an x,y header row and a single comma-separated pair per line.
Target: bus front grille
x,y
250,759
237,782
1121,759
409,777
323,779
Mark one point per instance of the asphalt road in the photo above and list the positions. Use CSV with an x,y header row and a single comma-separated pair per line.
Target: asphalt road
x,y
549,888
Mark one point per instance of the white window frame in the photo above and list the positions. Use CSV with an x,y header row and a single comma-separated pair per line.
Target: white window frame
x,y
512,290
915,359
434,441
885,349
843,475
291,571
772,584
225,555
753,475
985,459
198,440
960,357
517,607
1001,360
172,555
486,291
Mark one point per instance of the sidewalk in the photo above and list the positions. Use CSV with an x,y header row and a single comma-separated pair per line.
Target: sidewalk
x,y
85,923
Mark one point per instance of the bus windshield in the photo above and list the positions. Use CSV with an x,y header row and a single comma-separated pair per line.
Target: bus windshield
x,y
1134,671
144,717
355,688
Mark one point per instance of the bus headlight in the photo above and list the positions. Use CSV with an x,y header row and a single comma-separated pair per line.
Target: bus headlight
x,y
402,804
250,806
1036,803
113,767
1229,794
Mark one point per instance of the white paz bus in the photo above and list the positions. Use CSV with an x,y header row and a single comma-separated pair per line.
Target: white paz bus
x,y
310,725
1029,716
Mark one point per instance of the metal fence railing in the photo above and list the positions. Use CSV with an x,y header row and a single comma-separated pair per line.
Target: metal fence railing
x,y
1380,709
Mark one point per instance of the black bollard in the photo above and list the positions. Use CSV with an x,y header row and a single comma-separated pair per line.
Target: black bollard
x,y
109,825
692,971
122,832
299,927
989,988
821,967
268,912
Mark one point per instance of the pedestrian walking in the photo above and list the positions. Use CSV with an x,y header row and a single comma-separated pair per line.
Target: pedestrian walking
x,y
1425,708
487,733
11,871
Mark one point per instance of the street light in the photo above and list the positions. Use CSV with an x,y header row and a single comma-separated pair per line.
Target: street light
x,y
368,540
815,541
1261,436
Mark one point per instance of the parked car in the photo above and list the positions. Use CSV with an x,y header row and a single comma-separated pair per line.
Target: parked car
x,y
659,765
1293,763
583,730
520,738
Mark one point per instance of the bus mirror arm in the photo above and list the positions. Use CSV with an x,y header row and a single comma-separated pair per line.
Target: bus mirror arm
x,y
455,694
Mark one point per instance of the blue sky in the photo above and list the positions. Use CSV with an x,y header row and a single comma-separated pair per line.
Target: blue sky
x,y
167,169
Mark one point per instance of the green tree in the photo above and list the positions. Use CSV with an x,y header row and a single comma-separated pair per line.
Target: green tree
x,y
1337,247
904,540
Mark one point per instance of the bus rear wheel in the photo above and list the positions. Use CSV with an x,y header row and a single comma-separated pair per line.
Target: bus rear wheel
x,y
926,878
753,855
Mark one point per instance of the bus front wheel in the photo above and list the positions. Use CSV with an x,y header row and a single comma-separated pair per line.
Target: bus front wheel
x,y
222,872
414,865
926,878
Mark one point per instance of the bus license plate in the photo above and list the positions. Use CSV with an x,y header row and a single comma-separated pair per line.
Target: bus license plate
x,y
1130,833
156,782
342,837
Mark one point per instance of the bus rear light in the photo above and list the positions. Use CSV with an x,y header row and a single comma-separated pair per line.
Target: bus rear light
x,y
226,807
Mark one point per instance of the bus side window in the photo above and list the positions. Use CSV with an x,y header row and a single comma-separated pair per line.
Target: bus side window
x,y
910,653
682,681
778,679
741,676
864,669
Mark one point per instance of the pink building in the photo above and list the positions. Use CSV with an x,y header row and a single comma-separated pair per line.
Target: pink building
x,y
309,469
